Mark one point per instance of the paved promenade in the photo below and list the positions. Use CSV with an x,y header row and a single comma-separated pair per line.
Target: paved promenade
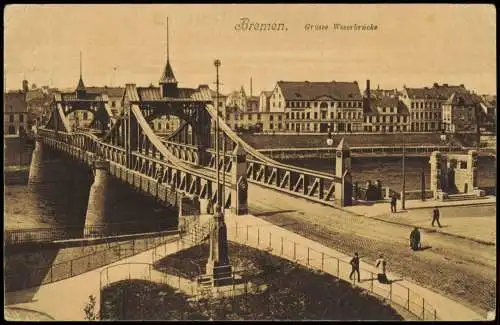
x,y
447,309
459,218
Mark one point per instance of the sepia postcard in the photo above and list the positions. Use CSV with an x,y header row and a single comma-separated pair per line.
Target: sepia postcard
x,y
250,162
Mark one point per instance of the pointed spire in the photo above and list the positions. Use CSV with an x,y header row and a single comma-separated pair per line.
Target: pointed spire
x,y
80,88
168,74
168,52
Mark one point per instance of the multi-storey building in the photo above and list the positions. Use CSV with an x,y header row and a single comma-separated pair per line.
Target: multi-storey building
x,y
319,106
425,105
383,111
264,101
115,97
386,114
237,99
15,116
255,121
252,104
461,112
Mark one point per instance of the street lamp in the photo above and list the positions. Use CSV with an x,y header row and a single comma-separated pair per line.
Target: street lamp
x,y
404,173
329,140
217,64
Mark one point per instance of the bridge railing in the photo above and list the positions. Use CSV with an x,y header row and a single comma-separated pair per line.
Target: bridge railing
x,y
14,237
390,291
100,256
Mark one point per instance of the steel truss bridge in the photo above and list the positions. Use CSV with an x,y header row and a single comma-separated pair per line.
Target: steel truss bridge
x,y
184,163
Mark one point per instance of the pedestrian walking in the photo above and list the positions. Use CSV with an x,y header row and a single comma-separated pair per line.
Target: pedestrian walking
x,y
381,264
394,199
435,217
415,239
355,266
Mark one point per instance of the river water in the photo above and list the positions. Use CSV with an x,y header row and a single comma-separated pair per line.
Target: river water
x,y
55,205
389,170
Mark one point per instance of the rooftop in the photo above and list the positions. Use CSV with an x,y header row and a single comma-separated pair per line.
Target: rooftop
x,y
151,93
440,92
305,90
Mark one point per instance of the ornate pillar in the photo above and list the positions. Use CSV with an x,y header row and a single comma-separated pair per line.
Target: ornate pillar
x,y
435,162
239,184
472,170
96,209
343,164
218,268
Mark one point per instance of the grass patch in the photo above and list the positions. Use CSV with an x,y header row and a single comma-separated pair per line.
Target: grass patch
x,y
293,293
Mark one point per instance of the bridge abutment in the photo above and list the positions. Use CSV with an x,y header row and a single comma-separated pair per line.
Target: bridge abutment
x,y
97,206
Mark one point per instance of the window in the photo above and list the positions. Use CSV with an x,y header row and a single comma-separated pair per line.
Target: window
x,y
331,115
12,129
315,104
383,110
302,115
286,126
293,115
316,115
11,119
271,126
308,115
258,117
279,118
323,115
113,104
338,115
271,117
288,116
279,126
21,117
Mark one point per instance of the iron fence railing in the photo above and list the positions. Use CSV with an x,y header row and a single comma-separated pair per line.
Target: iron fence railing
x,y
46,235
392,292
112,252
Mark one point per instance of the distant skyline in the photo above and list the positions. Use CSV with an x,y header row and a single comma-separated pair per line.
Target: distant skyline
x,y
414,45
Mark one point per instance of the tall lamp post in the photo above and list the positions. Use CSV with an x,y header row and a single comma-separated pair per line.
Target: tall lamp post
x,y
217,64
403,193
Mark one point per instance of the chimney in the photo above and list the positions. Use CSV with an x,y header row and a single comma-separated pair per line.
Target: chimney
x,y
251,90
26,86
367,100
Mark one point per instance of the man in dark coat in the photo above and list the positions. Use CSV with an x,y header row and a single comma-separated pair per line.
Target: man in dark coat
x,y
415,239
394,199
355,266
435,217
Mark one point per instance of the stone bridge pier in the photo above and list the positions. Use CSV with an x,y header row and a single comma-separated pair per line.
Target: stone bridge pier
x,y
97,208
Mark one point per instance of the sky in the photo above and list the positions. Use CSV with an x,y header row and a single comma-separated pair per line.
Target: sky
x,y
414,45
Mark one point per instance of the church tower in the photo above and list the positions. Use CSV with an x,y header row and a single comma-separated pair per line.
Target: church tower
x,y
168,83
80,88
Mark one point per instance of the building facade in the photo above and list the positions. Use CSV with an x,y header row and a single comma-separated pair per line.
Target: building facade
x,y
15,118
461,113
264,101
426,105
319,106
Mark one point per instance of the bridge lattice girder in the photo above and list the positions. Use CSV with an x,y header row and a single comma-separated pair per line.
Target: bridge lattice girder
x,y
138,156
